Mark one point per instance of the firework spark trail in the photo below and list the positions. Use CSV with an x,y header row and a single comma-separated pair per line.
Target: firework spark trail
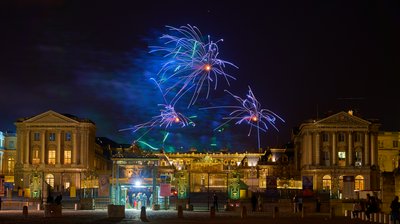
x,y
249,111
168,116
191,63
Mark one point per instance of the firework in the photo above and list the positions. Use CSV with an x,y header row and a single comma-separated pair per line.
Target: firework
x,y
191,62
249,111
168,117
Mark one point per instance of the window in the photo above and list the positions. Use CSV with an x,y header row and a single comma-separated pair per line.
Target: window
x,y
357,137
52,157
50,180
36,136
342,158
359,183
67,157
341,137
36,159
10,165
326,182
395,144
358,161
11,144
52,137
68,136
325,137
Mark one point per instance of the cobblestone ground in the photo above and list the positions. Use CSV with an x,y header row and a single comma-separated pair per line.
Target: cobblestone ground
x,y
169,216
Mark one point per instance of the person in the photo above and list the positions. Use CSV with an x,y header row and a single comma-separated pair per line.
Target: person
x,y
356,209
295,200
215,201
58,199
371,205
300,204
253,202
395,207
260,203
317,204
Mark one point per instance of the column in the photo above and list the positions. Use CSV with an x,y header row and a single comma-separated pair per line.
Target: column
x,y
1,162
366,149
334,153
350,157
304,150
83,148
317,149
27,146
43,147
58,154
310,148
373,149
74,146
20,146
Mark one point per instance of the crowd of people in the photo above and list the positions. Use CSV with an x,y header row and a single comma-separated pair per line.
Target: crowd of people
x,y
139,199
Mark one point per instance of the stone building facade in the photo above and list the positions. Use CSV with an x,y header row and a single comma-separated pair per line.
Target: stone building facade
x,y
57,150
339,153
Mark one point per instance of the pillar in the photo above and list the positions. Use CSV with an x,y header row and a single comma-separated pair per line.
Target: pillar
x,y
27,146
350,149
74,148
43,147
373,149
317,149
366,149
334,153
310,149
58,153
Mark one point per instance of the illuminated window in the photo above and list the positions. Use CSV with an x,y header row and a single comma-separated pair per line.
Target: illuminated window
x,y
10,165
36,136
50,180
358,161
326,182
52,157
52,137
67,185
35,159
341,183
359,183
68,136
67,157
342,158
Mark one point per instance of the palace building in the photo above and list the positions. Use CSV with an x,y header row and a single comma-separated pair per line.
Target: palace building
x,y
55,151
339,154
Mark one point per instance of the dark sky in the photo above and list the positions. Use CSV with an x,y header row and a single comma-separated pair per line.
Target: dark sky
x,y
302,59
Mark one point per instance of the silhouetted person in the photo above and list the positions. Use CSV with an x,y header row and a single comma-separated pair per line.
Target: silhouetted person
x,y
50,199
253,202
58,199
215,201
395,207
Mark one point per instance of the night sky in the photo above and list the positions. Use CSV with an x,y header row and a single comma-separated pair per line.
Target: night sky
x,y
303,60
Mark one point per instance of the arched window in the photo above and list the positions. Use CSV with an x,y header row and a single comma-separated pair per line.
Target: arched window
x,y
359,183
50,180
326,182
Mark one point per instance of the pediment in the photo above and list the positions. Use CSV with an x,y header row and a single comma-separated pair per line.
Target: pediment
x,y
343,118
50,117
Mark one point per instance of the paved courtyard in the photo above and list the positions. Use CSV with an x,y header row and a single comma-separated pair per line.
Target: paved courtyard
x,y
168,216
